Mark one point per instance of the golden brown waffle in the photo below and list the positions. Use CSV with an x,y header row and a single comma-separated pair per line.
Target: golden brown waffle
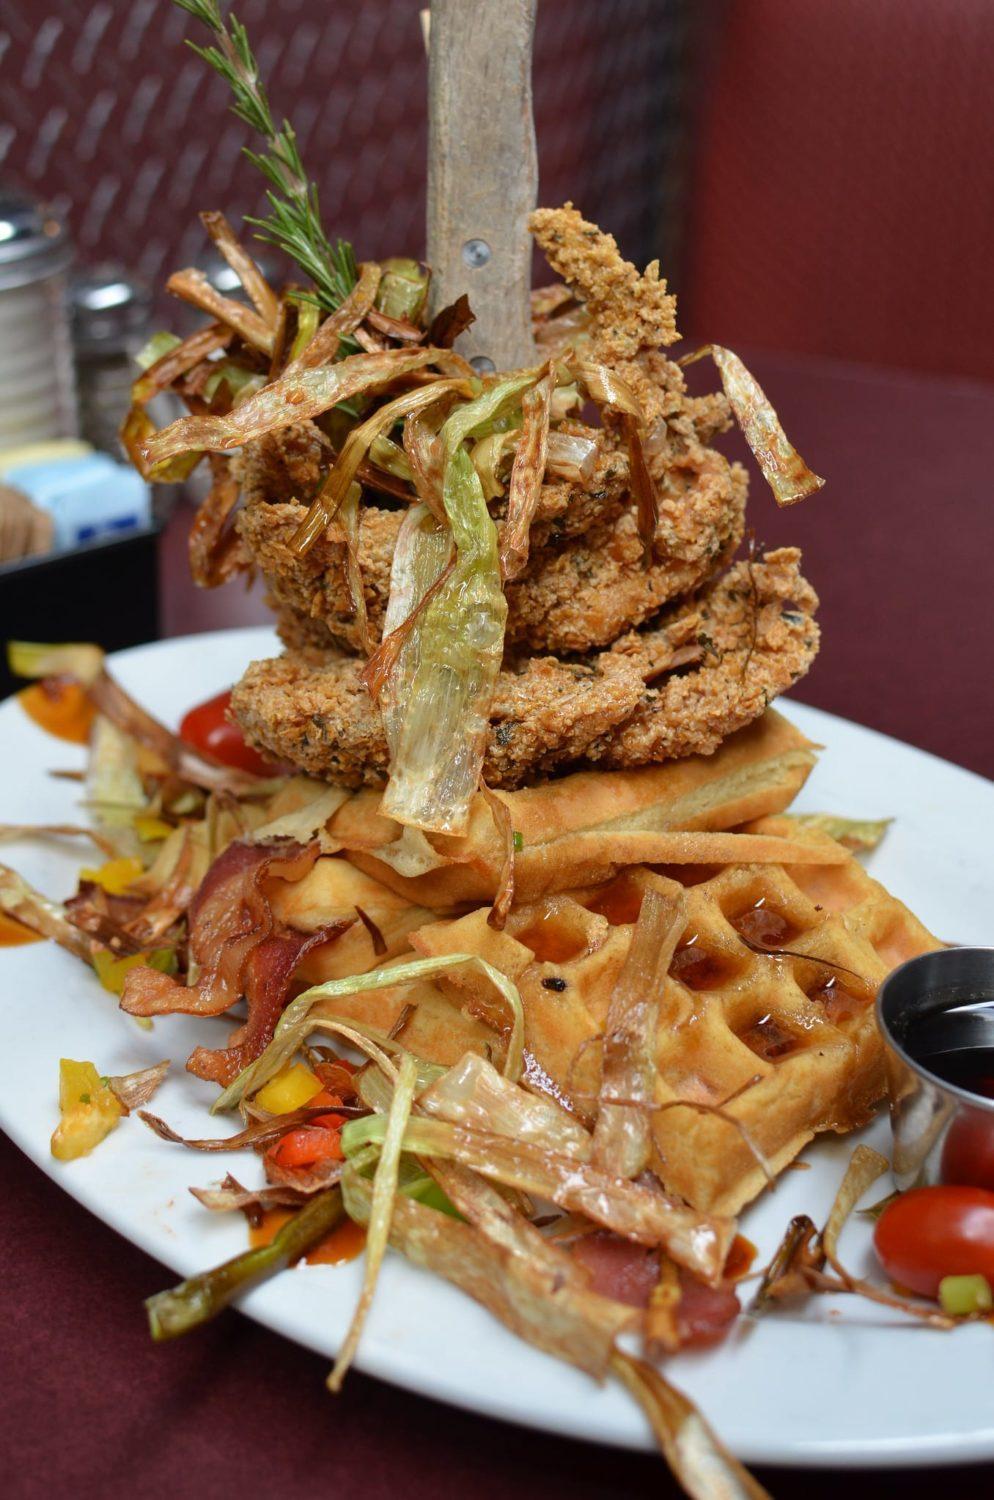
x,y
784,1042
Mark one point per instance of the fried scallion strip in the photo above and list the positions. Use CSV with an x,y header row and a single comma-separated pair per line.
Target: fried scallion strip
x,y
324,344
441,724
381,1212
623,1135
295,396
256,287
701,1464
297,1021
784,470
202,1297
192,286
527,473
332,493
28,906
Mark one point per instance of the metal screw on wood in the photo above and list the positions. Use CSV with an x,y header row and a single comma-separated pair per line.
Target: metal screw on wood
x,y
475,253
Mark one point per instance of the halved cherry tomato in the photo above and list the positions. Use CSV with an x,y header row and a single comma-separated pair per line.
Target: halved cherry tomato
x,y
306,1147
968,1150
932,1232
207,727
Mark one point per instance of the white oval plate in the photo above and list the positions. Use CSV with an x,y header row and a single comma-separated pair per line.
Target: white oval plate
x,y
843,1383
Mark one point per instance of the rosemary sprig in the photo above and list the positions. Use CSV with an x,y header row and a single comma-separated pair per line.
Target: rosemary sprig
x,y
294,222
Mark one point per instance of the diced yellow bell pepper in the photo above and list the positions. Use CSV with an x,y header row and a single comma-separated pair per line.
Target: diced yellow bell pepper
x,y
90,1110
111,970
150,829
289,1090
115,876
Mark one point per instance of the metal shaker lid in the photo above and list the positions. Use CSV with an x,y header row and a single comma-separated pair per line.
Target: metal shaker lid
x,y
110,308
33,243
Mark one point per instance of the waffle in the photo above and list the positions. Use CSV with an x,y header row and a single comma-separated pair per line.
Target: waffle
x,y
783,1043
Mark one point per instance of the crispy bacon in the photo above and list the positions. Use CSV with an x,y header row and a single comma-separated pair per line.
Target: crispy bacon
x,y
628,1273
239,950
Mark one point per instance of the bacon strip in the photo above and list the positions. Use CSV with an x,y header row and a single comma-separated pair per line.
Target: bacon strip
x,y
240,950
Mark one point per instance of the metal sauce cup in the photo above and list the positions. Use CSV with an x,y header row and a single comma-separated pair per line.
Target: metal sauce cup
x,y
938,1006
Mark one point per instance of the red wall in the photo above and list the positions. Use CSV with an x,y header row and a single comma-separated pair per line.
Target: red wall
x,y
842,193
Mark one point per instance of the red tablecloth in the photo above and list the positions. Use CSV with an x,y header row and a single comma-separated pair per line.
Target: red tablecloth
x,y
899,546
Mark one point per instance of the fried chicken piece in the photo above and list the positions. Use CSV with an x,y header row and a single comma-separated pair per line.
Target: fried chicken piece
x,y
587,593
284,465
739,643
576,594
311,593
757,626
631,315
630,311
316,714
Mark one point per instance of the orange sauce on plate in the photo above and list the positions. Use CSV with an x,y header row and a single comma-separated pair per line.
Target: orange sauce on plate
x,y
345,1242
14,933
740,1258
60,708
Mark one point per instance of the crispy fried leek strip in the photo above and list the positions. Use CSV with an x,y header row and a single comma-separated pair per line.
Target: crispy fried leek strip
x,y
554,1315
866,1166
299,394
784,470
135,1089
472,1093
504,899
178,360
700,1463
623,1134
20,900
458,644
643,486
858,834
215,550
636,1211
425,454
297,1021
571,457
323,346
527,473
380,1213
14,832
255,285
421,560
192,286
332,493
604,386
488,455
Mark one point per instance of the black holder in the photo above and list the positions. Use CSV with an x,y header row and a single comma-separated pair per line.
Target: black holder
x,y
106,591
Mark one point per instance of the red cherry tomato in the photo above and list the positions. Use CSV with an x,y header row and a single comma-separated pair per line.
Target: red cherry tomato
x,y
933,1232
968,1150
208,728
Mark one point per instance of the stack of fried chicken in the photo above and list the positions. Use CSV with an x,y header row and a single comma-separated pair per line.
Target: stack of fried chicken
x,y
617,654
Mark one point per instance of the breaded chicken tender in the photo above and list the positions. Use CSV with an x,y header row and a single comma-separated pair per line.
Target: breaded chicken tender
x,y
576,594
316,714
630,312
754,634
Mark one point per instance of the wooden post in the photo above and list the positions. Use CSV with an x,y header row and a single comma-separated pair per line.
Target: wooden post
x,y
482,171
